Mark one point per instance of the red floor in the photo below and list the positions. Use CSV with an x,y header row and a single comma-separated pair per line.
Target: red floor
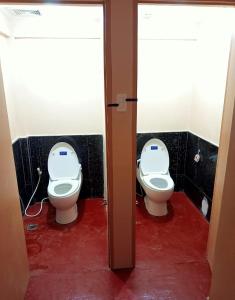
x,y
70,262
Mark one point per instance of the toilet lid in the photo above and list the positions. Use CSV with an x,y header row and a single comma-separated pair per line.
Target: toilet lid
x,y
63,162
154,157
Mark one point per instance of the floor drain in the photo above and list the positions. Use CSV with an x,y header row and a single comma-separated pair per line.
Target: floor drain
x,y
31,227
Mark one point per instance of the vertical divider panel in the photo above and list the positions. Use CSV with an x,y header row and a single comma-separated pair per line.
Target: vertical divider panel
x,y
14,273
121,83
221,241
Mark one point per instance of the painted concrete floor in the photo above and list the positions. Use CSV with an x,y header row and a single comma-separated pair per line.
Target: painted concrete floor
x,y
70,262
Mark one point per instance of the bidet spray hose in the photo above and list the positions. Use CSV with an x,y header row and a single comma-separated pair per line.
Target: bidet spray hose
x,y
31,198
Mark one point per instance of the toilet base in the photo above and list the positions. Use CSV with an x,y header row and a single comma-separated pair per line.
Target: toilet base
x,y
66,216
157,209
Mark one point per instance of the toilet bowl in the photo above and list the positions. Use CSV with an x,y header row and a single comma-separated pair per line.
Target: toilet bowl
x,y
154,177
65,182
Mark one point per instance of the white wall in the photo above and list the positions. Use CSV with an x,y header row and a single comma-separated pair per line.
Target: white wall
x,y
6,65
182,68
164,85
210,72
5,26
58,86
53,70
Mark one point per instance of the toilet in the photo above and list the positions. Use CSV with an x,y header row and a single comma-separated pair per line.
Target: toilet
x,y
154,177
65,181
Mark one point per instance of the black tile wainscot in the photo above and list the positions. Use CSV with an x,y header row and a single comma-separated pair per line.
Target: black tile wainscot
x,y
196,179
32,152
199,177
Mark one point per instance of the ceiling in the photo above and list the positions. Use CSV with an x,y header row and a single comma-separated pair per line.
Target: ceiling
x,y
54,20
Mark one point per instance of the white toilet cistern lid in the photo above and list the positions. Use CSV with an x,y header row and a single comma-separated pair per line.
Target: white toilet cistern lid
x,y
154,158
63,162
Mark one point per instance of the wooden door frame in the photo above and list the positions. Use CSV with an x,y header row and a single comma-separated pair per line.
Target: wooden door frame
x,y
221,242
14,270
121,208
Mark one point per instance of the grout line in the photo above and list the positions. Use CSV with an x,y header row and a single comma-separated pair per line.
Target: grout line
x,y
88,165
186,154
30,165
22,161
178,157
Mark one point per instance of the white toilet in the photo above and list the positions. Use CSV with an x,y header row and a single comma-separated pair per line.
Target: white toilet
x,y
154,177
65,181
